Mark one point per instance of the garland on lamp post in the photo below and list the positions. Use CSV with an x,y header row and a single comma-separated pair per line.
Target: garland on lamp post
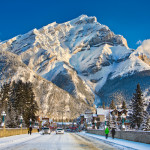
x,y
21,119
3,114
123,117
30,121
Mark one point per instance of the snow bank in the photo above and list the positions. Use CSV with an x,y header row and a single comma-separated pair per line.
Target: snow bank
x,y
120,143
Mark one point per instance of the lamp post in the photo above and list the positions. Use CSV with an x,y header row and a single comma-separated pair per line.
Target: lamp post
x,y
95,123
116,121
105,122
37,124
21,118
30,121
3,114
123,117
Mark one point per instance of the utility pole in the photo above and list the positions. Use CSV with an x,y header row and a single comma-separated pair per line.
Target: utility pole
x,y
62,119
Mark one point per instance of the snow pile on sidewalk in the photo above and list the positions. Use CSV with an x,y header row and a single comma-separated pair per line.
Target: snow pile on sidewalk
x,y
17,139
125,144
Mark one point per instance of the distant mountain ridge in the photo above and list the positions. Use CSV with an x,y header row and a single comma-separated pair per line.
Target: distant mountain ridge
x,y
84,58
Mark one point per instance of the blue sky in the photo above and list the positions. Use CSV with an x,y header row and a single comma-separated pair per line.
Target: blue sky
x,y
130,18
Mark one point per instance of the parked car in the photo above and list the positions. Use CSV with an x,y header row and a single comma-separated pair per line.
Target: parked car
x,y
59,131
46,130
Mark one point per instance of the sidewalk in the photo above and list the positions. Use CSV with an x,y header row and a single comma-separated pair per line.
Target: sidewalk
x,y
118,142
16,139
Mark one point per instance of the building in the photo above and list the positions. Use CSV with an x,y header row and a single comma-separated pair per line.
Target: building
x,y
101,117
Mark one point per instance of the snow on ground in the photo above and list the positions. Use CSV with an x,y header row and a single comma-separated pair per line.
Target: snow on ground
x,y
66,141
123,144
17,139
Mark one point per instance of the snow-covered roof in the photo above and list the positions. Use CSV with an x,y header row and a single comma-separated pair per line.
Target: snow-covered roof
x,y
87,116
101,111
64,123
119,110
94,115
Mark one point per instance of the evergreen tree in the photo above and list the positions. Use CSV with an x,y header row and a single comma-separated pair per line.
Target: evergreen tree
x,y
6,105
148,124
137,106
4,96
18,99
145,123
11,120
124,105
103,105
30,104
148,108
146,119
112,105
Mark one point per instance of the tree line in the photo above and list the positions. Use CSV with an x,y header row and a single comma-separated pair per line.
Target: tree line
x,y
139,115
18,99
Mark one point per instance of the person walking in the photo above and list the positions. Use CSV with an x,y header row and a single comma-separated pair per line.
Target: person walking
x,y
106,132
38,129
113,132
30,130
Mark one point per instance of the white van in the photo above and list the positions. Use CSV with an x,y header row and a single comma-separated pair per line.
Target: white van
x,y
46,130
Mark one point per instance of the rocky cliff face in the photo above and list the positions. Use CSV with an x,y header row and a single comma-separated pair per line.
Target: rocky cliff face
x,y
81,56
51,99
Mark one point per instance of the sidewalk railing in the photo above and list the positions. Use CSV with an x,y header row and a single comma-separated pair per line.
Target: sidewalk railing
x,y
14,131
137,136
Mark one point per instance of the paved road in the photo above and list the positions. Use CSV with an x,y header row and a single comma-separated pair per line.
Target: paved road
x,y
66,141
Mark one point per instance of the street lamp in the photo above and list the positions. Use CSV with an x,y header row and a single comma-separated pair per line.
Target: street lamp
x,y
116,121
123,117
105,122
95,123
36,123
30,121
3,114
21,118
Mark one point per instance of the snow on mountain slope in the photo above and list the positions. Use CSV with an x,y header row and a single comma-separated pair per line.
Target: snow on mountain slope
x,y
124,76
80,56
48,96
144,48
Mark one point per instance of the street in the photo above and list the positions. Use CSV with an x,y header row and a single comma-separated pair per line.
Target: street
x,y
66,141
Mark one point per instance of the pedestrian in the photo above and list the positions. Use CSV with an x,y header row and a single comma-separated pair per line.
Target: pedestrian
x,y
38,129
113,132
106,132
30,130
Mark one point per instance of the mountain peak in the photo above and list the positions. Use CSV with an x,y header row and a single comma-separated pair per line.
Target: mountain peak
x,y
83,19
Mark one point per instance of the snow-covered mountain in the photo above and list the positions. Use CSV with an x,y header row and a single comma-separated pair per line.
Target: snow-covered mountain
x,y
50,98
85,58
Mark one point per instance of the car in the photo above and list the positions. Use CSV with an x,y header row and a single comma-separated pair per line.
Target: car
x,y
46,130
59,131
68,130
